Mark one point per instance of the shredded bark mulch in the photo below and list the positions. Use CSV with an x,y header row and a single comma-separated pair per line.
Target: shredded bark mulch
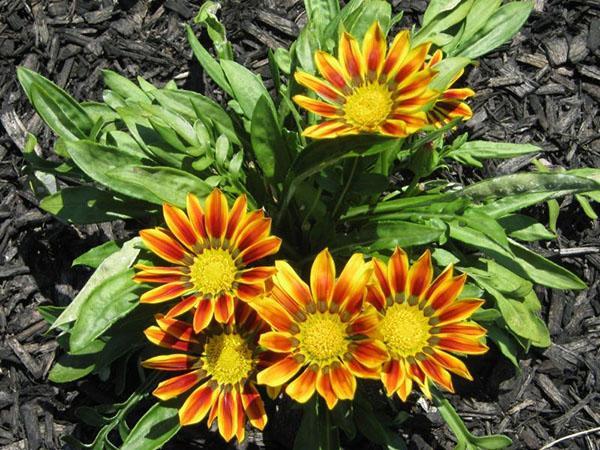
x,y
543,88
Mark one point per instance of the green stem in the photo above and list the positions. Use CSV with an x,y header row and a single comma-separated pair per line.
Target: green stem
x,y
311,208
345,188
412,187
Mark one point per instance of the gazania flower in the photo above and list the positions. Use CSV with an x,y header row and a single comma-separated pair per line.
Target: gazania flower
x,y
211,251
219,363
422,322
450,104
370,89
321,331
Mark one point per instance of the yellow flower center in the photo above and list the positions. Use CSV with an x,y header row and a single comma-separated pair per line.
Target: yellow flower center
x,y
227,358
213,271
322,338
405,330
368,106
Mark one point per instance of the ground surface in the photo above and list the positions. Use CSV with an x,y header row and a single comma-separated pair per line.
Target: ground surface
x,y
544,88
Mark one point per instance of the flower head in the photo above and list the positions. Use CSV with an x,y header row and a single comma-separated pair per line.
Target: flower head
x,y
449,105
211,250
222,361
371,89
322,331
422,321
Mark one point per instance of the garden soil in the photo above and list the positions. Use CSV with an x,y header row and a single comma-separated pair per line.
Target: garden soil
x,y
542,88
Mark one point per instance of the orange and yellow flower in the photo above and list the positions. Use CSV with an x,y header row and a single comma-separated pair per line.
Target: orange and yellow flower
x,y
422,321
222,361
371,89
211,249
321,331
449,105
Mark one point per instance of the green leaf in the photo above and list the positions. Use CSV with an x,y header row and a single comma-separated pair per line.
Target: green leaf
x,y
321,12
246,87
194,106
383,235
114,264
545,272
208,63
58,109
268,144
97,160
482,150
525,228
127,89
447,70
87,204
110,300
436,7
358,23
165,184
501,27
308,431
71,367
505,343
478,16
207,16
154,429
94,257
441,23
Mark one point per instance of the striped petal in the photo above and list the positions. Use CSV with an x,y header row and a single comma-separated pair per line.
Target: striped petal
x,y
165,246
391,376
166,292
325,389
145,277
373,50
240,426
398,271
278,341
223,308
342,381
174,362
203,315
366,323
414,61
322,88
180,226
394,128
318,107
331,70
437,374
183,306
279,373
196,215
345,283
322,277
255,274
396,54
413,86
261,249
303,387
329,129
254,406
217,213
380,272
196,406
405,387
371,353
162,339
248,292
419,276
439,280
290,283
176,328
413,121
459,311
252,233
462,345
451,363
273,313
464,329
360,370
236,216
175,386
375,296
435,58
227,414
447,292
351,58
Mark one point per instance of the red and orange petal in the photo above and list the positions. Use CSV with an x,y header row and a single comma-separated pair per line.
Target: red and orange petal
x,y
399,77
437,301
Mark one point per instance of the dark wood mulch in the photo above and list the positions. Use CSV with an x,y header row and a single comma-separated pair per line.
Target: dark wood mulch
x,y
543,88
